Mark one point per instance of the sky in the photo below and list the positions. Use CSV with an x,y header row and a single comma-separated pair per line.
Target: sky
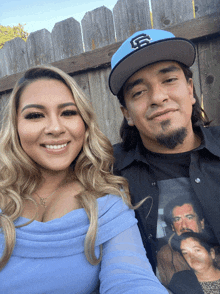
x,y
43,14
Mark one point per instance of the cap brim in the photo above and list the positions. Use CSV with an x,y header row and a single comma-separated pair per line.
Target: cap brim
x,y
173,49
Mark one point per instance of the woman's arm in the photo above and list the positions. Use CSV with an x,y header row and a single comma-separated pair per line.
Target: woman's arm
x,y
125,267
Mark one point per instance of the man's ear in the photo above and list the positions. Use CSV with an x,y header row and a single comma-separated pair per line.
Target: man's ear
x,y
203,224
190,87
127,116
212,252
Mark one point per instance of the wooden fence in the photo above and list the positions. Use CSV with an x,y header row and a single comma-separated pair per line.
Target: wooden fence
x,y
84,50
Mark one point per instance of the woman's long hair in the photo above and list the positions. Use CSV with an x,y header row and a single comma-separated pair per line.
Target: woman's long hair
x,y
130,134
20,176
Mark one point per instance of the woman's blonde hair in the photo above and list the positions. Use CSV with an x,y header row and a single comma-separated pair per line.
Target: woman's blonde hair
x,y
20,176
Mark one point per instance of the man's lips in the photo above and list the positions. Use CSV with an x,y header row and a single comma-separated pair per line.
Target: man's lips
x,y
160,113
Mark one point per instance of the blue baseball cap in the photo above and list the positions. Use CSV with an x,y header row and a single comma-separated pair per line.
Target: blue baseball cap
x,y
144,48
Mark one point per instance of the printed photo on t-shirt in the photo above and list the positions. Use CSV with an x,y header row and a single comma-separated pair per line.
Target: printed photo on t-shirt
x,y
188,256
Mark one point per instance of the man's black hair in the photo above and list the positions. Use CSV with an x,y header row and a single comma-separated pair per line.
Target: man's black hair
x,y
180,201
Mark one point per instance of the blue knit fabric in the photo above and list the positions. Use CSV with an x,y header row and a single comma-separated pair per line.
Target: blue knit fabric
x,y
49,257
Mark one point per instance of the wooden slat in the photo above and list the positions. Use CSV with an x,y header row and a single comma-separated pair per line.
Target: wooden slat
x,y
13,57
105,105
131,16
204,26
209,60
98,28
40,48
167,13
196,76
204,7
67,39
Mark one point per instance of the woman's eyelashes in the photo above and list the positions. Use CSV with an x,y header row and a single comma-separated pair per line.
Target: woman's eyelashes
x,y
69,113
38,115
34,115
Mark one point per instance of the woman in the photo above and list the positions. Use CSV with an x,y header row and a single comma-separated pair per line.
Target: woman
x,y
200,256
66,219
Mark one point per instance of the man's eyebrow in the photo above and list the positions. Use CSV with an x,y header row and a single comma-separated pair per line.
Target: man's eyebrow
x,y
131,85
39,106
171,68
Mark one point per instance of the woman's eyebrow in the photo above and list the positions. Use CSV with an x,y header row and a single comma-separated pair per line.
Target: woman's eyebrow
x,y
32,106
39,106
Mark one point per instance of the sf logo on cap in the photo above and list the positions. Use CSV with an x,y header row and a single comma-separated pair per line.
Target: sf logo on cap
x,y
140,41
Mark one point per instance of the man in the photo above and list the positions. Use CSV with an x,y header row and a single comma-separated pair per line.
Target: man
x,y
181,215
166,149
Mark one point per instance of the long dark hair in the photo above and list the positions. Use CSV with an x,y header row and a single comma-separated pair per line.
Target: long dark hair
x,y
130,134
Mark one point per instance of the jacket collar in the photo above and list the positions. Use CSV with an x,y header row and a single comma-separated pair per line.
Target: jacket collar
x,y
210,140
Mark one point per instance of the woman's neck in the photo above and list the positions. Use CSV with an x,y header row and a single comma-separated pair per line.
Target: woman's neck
x,y
212,274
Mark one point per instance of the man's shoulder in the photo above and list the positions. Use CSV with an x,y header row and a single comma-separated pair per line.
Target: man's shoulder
x,y
122,157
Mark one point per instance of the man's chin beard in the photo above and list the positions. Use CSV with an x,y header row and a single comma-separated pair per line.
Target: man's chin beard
x,y
172,140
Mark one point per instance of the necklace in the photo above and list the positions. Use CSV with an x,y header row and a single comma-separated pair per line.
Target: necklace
x,y
43,200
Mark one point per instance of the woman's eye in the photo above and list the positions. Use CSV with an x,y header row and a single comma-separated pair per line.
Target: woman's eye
x,y
69,112
34,115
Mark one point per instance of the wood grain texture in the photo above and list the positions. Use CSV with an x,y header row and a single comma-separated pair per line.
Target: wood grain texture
x,y
209,60
167,13
40,48
131,16
205,7
106,106
67,39
13,57
98,28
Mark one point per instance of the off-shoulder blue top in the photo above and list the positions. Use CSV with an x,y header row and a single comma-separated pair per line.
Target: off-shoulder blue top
x,y
49,257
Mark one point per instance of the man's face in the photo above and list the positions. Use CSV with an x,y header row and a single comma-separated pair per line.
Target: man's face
x,y
159,102
186,220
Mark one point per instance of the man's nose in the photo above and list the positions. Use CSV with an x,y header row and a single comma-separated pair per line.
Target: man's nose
x,y
159,95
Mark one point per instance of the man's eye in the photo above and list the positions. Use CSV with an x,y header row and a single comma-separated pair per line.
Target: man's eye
x,y
69,112
34,115
139,93
170,80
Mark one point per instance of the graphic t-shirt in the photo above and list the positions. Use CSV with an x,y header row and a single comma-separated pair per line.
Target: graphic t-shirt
x,y
179,214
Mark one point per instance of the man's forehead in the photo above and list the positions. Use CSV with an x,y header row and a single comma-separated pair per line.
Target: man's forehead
x,y
159,68
184,209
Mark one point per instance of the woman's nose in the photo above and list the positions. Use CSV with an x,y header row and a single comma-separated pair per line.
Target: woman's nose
x,y
54,126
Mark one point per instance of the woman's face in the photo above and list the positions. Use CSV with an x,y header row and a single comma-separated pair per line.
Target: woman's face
x,y
198,258
50,128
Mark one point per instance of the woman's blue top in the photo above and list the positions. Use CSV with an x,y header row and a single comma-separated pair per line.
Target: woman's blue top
x,y
49,256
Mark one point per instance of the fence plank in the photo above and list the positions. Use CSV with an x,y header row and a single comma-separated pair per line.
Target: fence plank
x,y
170,12
204,7
67,39
196,75
40,48
209,59
3,65
3,101
14,57
105,104
98,28
83,81
131,16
